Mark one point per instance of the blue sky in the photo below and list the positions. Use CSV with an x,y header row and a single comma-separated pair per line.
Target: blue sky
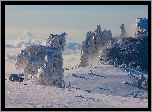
x,y
72,17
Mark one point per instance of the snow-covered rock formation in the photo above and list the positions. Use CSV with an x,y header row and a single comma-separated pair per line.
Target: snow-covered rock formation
x,y
141,27
44,63
92,45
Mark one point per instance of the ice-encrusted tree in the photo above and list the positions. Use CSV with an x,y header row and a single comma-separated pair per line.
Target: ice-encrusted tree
x,y
94,42
44,63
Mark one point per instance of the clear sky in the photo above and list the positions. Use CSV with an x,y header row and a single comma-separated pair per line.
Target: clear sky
x,y
74,18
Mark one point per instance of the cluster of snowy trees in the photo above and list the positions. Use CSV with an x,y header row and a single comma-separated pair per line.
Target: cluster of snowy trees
x,y
43,64
130,52
100,47
95,42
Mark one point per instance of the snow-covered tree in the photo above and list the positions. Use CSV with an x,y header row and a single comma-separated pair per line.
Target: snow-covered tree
x,y
93,43
123,33
44,63
141,27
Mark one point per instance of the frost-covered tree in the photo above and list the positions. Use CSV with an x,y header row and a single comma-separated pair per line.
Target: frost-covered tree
x,y
44,63
93,43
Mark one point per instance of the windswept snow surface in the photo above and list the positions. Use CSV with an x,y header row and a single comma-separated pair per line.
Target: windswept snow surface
x,y
86,87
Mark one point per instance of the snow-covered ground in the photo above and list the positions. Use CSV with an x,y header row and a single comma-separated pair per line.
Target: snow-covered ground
x,y
103,88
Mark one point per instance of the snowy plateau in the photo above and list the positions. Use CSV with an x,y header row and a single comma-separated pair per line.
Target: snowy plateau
x,y
102,82
103,88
